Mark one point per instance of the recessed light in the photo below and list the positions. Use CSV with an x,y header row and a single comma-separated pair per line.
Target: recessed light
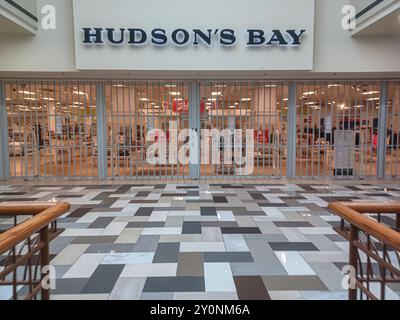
x,y
27,92
369,92
80,93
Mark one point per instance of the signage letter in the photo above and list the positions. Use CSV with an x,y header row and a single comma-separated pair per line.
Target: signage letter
x,y
256,37
88,35
296,37
133,39
277,38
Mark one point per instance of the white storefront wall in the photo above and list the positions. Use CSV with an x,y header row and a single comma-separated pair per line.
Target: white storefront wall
x,y
326,47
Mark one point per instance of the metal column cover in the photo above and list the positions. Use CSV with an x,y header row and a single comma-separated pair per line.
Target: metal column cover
x,y
4,152
382,132
101,131
291,132
194,123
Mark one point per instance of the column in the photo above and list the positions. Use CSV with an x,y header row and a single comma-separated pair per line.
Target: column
x,y
194,124
4,152
291,132
382,132
101,131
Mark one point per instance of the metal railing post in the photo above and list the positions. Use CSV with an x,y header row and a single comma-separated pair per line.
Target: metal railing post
x,y
44,259
353,261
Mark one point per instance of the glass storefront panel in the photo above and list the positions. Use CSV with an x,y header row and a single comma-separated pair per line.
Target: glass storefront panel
x,y
260,107
52,130
134,110
337,129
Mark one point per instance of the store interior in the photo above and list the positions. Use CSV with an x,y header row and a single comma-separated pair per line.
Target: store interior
x,y
53,127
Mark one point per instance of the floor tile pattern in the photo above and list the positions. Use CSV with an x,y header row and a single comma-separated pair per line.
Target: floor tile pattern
x,y
205,241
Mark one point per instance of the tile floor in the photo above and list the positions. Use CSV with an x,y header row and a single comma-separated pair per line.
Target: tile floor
x,y
205,241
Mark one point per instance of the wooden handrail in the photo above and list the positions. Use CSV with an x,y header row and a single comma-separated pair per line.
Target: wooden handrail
x,y
22,231
373,207
348,212
24,208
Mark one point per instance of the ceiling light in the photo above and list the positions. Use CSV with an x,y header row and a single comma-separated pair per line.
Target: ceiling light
x,y
373,99
232,107
174,93
334,85
308,93
8,99
212,99
245,99
359,106
208,103
216,93
285,99
369,92
143,99
48,98
30,98
27,92
170,85
270,86
80,93
156,107
178,99
220,86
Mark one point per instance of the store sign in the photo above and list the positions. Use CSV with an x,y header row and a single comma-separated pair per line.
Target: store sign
x,y
181,35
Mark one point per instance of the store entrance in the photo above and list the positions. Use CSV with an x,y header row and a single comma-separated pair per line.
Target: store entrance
x,y
60,129
258,112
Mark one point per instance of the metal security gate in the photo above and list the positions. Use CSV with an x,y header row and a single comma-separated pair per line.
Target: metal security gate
x,y
393,131
258,108
337,129
52,129
143,117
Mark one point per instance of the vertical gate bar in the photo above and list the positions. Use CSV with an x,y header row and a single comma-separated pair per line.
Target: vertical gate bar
x,y
291,136
101,131
5,157
382,131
